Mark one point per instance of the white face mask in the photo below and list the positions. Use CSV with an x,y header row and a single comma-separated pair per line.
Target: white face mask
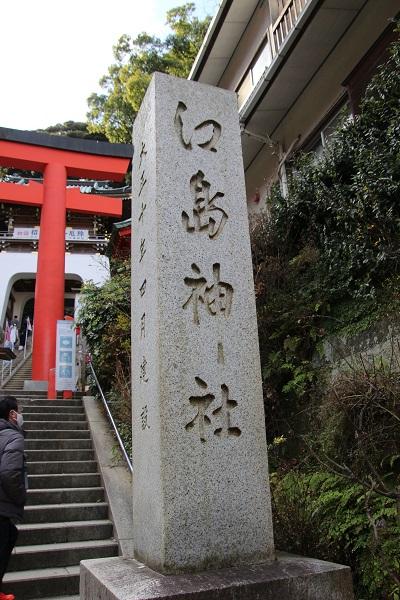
x,y
20,420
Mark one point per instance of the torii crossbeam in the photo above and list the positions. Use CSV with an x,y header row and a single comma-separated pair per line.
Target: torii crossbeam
x,y
57,158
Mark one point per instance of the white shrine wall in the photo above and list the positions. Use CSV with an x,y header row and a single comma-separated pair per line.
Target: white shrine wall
x,y
23,265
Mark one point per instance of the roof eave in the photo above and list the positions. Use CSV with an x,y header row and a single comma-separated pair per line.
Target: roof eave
x,y
208,42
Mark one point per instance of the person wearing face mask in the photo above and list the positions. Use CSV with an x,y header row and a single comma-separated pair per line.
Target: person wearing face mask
x,y
13,480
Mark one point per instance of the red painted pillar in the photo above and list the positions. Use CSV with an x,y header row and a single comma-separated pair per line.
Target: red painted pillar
x,y
49,290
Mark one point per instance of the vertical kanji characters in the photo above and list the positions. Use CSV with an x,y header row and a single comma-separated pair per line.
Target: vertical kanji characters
x,y
218,420
216,297
207,215
206,134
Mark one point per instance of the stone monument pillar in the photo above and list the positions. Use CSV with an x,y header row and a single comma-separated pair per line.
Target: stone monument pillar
x,y
201,492
201,501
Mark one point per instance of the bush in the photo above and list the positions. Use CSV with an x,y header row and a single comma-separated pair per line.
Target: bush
x,y
326,261
105,321
323,515
326,257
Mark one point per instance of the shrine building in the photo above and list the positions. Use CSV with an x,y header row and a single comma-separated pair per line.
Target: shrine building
x,y
299,68
56,209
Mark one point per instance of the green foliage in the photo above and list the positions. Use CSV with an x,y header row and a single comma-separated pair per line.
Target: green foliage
x,y
326,261
106,324
326,257
105,320
345,205
75,129
113,112
125,431
341,499
357,423
324,515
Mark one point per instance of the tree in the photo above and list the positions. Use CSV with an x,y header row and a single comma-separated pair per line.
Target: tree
x,y
113,112
75,129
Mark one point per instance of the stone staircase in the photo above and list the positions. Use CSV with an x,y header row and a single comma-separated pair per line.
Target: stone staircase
x,y
22,369
66,516
23,372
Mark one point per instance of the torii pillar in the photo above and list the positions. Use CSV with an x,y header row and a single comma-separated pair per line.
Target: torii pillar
x,y
57,158
49,289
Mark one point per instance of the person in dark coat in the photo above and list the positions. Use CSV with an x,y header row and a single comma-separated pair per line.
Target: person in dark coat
x,y
13,480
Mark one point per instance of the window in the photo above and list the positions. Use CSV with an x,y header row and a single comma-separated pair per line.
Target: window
x,y
261,62
328,131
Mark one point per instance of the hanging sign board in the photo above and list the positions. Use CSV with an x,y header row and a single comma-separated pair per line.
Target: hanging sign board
x,y
33,233
76,235
26,233
65,357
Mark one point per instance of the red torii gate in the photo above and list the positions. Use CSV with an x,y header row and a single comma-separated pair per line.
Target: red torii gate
x,y
57,158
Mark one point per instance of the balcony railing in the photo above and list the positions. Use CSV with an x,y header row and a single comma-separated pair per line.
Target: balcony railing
x,y
285,23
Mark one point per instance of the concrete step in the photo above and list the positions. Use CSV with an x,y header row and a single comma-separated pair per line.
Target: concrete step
x,y
23,393
58,444
50,403
60,555
29,409
42,583
60,434
49,425
26,370
55,415
19,377
59,455
73,531
65,495
54,513
72,480
66,517
57,467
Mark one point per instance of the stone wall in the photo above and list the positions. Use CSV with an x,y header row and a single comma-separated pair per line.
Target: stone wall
x,y
380,343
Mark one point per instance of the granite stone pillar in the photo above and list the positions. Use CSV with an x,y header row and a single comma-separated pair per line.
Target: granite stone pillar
x,y
201,493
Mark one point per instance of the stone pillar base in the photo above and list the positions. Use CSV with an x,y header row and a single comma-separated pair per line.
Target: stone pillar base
x,y
288,578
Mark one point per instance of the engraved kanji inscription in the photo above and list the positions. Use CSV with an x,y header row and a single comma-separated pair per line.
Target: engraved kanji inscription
x,y
142,288
201,403
224,411
216,297
144,416
142,158
220,354
143,325
142,209
143,376
142,249
142,182
207,215
218,420
143,154
205,135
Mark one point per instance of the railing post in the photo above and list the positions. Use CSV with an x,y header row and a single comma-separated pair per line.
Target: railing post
x,y
271,41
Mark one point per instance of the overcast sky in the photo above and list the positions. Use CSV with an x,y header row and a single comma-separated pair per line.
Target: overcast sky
x,y
53,52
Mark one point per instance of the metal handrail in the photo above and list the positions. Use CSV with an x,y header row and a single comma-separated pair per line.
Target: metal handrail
x,y
121,443
4,368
